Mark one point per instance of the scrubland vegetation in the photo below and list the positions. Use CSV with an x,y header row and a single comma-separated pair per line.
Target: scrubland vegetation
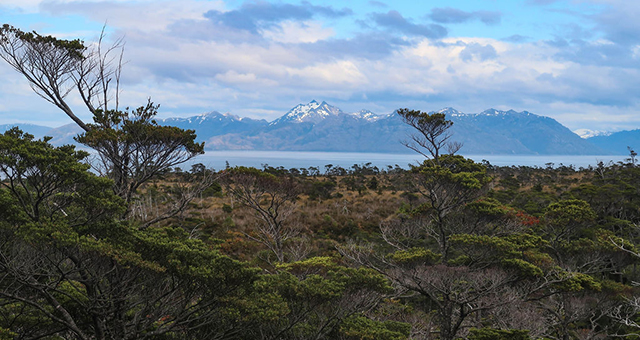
x,y
450,249
456,250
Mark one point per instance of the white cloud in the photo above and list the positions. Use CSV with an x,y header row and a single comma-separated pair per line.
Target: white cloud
x,y
328,75
298,32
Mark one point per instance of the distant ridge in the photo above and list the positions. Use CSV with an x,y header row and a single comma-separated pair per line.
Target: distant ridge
x,y
617,142
37,131
319,126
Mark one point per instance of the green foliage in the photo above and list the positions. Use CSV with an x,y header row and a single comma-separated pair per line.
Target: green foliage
x,y
314,264
414,257
250,171
373,183
227,208
361,328
214,190
424,119
74,48
575,282
432,132
320,189
51,185
519,252
173,251
464,172
321,269
6,334
490,207
264,306
533,202
465,261
310,298
523,267
569,212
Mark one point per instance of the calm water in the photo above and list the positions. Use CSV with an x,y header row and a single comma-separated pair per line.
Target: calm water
x,y
298,159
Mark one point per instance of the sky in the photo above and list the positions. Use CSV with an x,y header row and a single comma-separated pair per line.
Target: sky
x,y
577,61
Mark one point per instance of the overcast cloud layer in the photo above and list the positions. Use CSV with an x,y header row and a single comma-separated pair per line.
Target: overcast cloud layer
x,y
576,61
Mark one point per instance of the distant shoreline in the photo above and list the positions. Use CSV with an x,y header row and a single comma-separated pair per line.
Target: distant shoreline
x,y
304,159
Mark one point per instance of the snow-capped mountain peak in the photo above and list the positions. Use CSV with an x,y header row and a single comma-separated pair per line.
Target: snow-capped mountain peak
x,y
450,112
492,112
313,112
205,117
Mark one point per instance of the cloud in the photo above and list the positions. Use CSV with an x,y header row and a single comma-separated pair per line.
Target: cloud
x,y
292,32
479,52
395,21
557,42
619,21
448,15
600,52
253,15
371,46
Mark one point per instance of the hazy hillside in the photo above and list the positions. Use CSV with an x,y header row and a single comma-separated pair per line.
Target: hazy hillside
x,y
618,142
322,127
37,130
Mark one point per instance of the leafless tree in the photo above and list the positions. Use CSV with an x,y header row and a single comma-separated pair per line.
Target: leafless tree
x,y
626,313
519,315
174,199
565,310
272,199
459,293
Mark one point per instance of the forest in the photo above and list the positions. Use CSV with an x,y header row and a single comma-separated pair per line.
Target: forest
x,y
122,243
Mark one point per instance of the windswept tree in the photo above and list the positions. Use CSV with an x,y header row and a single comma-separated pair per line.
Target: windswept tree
x,y
444,264
432,136
131,146
446,181
55,68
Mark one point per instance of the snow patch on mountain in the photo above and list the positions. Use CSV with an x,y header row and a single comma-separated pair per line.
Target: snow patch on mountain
x,y
450,112
494,112
367,115
586,133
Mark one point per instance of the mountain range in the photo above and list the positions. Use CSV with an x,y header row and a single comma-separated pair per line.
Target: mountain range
x,y
322,127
